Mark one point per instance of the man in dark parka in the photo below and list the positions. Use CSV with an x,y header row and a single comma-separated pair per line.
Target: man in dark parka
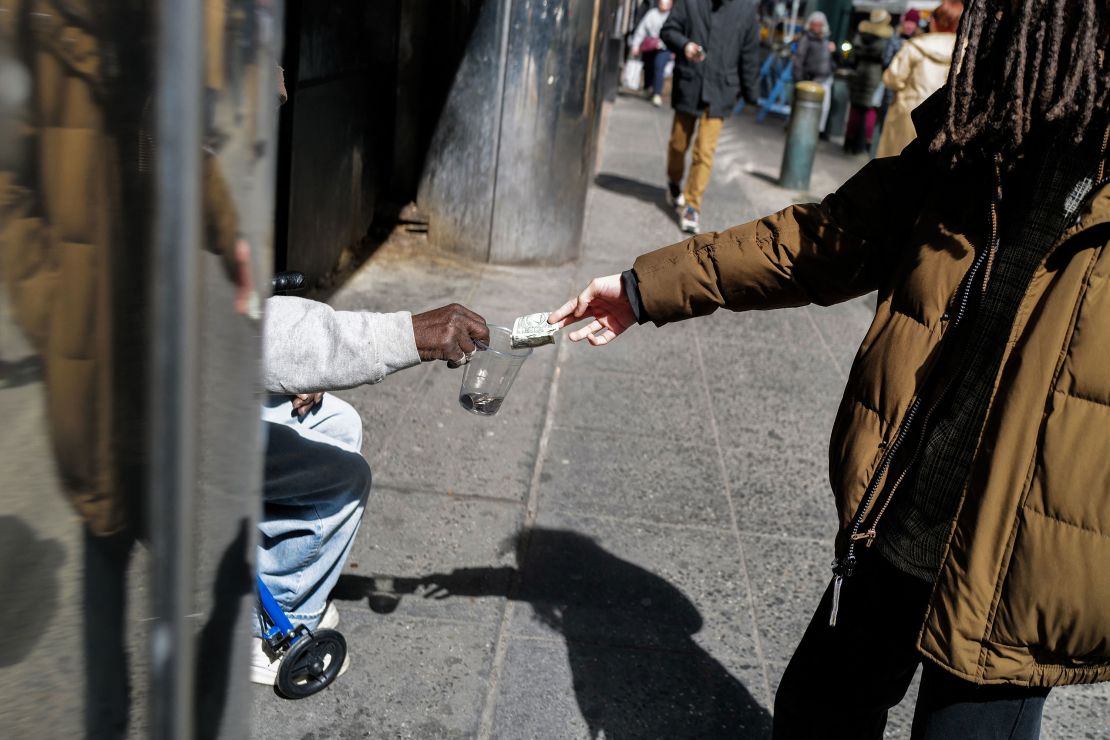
x,y
716,46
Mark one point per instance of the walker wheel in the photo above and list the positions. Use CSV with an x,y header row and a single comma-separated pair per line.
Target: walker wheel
x,y
311,664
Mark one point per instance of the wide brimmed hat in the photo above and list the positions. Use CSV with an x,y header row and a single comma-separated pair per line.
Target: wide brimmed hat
x,y
878,24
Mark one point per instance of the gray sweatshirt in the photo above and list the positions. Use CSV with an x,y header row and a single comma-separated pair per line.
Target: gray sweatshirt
x,y
308,346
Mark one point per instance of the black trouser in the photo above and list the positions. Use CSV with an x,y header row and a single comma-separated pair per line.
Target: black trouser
x,y
843,679
107,685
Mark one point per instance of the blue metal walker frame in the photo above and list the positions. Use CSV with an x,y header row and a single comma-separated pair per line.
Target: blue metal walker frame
x,y
279,626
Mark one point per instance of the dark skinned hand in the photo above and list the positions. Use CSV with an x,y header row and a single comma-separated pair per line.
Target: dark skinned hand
x,y
448,333
305,402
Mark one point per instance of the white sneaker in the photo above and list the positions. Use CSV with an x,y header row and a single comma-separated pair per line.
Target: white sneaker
x,y
657,101
330,620
689,220
265,665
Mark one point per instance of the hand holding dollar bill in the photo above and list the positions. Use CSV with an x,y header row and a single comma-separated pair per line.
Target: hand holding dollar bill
x,y
532,331
603,301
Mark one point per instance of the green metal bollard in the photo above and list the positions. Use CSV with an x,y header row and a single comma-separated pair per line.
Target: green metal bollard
x,y
801,138
838,111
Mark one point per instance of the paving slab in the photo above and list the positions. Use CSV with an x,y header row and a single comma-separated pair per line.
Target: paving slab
x,y
409,541
409,679
403,275
592,691
634,584
440,446
781,488
503,291
633,476
659,407
1078,712
641,350
788,577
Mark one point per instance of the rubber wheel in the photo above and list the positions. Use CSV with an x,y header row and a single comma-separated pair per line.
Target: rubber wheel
x,y
311,664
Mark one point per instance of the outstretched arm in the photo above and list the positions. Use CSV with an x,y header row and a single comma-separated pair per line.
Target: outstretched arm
x,y
812,253
606,301
308,346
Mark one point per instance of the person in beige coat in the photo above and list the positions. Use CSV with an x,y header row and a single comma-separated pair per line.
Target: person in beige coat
x,y
917,71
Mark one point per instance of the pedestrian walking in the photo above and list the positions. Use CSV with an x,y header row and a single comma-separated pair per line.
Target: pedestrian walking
x,y
970,456
866,86
915,73
716,47
649,47
813,60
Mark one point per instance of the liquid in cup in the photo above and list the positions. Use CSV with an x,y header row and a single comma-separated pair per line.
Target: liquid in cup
x,y
490,373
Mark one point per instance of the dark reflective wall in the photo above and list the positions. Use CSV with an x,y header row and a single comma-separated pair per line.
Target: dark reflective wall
x,y
82,214
367,84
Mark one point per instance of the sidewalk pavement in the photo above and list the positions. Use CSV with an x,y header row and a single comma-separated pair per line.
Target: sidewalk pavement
x,y
672,488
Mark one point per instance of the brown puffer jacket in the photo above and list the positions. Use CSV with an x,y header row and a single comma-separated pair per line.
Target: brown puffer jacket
x,y
72,257
57,226
1023,594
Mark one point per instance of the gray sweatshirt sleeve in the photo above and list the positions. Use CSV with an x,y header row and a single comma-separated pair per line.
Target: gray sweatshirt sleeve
x,y
308,346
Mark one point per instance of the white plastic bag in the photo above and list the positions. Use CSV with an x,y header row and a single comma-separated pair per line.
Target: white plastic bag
x,y
631,76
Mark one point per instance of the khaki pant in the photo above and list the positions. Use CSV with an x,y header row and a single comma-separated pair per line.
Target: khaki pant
x,y
705,146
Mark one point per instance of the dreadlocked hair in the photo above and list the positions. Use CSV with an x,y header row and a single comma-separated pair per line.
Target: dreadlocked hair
x,y
1021,64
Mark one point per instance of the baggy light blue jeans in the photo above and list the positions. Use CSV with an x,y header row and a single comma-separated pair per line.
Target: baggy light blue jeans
x,y
315,487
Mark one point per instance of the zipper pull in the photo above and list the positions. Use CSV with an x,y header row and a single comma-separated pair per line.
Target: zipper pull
x,y
837,583
869,535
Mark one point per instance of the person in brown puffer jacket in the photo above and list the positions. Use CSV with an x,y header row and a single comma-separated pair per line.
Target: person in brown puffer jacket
x,y
970,457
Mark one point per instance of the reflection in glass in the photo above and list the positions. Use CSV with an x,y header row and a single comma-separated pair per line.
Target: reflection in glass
x,y
79,153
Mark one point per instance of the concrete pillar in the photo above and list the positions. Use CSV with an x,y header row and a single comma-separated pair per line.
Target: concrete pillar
x,y
507,172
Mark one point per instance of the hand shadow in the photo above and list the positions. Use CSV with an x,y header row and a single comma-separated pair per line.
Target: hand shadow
x,y
636,670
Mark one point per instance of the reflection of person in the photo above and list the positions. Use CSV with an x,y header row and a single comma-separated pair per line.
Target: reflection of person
x,y
74,218
646,44
716,47
316,482
813,60
915,73
866,86
970,454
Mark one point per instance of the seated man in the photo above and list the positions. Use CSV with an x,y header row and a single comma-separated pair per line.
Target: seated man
x,y
316,481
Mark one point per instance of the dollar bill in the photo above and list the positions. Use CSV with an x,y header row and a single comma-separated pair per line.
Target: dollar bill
x,y
532,331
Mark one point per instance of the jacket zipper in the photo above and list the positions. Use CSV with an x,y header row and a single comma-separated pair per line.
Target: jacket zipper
x,y
844,566
871,533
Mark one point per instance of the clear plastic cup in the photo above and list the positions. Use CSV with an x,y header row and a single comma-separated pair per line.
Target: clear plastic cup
x,y
490,373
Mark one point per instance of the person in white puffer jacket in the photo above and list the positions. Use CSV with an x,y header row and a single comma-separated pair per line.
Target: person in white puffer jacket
x,y
918,70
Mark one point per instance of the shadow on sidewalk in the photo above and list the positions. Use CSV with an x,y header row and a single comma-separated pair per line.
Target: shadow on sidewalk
x,y
636,670
646,192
